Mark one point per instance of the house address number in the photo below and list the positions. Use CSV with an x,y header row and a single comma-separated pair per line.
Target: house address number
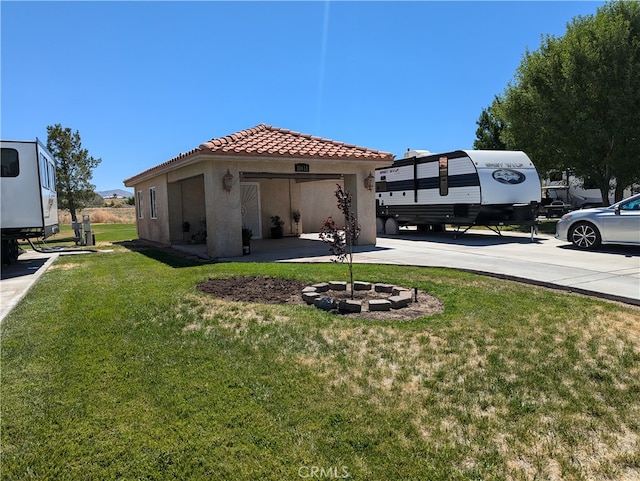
x,y
302,167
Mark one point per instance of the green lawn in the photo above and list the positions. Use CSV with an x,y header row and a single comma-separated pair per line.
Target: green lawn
x,y
102,232
114,366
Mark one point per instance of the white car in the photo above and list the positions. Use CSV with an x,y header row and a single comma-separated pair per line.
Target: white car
x,y
616,224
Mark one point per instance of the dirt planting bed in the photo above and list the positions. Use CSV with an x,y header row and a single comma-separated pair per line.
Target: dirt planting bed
x,y
271,290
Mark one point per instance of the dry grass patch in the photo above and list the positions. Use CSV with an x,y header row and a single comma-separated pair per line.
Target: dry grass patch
x,y
102,215
234,316
67,266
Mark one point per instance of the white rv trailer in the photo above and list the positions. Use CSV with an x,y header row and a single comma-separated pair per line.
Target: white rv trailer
x,y
29,203
572,192
461,188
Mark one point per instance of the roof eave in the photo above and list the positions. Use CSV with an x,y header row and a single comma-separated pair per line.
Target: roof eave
x,y
199,155
179,162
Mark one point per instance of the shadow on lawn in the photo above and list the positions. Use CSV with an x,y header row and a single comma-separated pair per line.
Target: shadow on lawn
x,y
171,257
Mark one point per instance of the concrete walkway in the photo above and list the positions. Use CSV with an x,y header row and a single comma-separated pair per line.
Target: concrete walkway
x,y
18,278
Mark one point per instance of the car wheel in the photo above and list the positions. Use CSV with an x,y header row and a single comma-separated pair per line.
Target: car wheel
x,y
585,236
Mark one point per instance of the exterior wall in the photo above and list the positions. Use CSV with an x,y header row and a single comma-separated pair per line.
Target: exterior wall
x,y
364,206
223,211
149,228
281,197
318,202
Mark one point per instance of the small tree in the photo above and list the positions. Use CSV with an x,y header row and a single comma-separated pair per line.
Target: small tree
x,y
342,239
74,168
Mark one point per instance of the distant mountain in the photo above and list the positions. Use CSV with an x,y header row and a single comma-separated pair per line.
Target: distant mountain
x,y
118,193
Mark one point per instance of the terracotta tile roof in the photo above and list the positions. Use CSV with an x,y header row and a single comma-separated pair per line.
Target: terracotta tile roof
x,y
267,141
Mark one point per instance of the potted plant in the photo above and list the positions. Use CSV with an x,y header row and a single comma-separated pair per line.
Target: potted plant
x,y
296,218
201,235
247,234
276,230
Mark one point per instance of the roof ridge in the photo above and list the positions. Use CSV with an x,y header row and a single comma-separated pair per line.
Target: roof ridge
x,y
225,143
231,138
318,138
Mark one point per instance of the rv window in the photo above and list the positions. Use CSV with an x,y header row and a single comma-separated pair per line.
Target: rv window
x,y
381,186
52,176
44,172
152,203
443,170
10,163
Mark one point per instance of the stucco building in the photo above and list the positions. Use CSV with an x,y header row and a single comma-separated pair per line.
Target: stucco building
x,y
210,192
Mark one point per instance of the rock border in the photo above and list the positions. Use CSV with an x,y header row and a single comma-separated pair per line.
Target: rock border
x,y
392,296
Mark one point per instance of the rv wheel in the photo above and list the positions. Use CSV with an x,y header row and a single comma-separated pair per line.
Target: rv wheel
x,y
10,251
391,227
379,225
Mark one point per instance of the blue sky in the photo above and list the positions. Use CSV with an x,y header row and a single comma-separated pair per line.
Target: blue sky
x,y
144,81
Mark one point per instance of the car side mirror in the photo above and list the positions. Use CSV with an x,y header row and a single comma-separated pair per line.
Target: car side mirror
x,y
617,210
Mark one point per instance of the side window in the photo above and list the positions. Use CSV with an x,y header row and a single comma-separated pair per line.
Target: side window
x,y
631,205
52,175
10,163
44,172
443,173
152,203
139,204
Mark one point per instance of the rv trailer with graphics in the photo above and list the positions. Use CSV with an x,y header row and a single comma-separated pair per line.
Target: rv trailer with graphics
x,y
463,188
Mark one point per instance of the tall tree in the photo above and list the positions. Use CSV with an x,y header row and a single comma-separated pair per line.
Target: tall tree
x,y
575,103
490,127
74,168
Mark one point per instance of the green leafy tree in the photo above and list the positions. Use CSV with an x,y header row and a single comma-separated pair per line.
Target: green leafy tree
x,y
574,103
490,127
74,169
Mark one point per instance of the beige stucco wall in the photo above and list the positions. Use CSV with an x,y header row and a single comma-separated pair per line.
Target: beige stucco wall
x,y
318,202
148,228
